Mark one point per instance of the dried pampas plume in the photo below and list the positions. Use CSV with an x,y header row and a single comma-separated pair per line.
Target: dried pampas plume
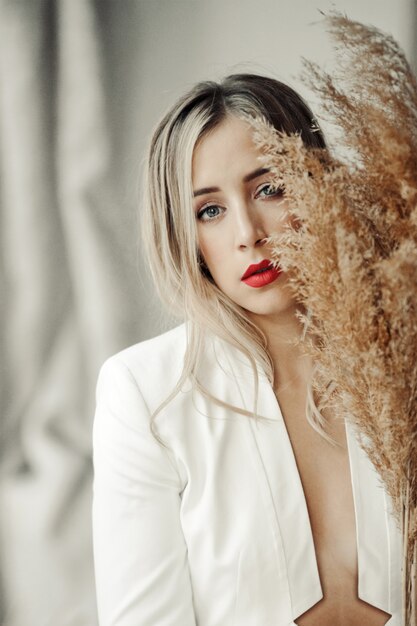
x,y
352,259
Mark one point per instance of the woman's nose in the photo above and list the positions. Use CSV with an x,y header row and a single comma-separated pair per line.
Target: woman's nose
x,y
250,231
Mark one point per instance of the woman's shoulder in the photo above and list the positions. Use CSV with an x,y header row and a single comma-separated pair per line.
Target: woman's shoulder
x,y
163,352
152,366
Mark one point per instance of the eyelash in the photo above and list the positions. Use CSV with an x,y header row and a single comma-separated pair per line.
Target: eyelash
x,y
202,211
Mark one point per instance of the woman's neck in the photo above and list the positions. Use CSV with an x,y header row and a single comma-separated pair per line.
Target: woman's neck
x,y
292,365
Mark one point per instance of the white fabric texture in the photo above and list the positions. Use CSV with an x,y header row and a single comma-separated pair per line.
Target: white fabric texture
x,y
214,530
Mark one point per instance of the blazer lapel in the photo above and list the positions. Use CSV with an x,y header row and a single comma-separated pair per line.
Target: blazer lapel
x,y
378,539
282,491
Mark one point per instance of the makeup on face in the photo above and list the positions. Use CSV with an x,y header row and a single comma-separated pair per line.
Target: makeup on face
x,y
237,208
261,274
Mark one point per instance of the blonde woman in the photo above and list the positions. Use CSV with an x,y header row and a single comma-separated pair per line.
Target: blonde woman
x,y
219,497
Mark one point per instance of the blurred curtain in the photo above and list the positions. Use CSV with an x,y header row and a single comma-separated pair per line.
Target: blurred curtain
x,y
65,281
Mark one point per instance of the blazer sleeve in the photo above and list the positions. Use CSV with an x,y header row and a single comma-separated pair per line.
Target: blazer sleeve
x,y
140,556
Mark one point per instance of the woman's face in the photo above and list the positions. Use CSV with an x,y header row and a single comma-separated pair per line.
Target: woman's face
x,y
236,208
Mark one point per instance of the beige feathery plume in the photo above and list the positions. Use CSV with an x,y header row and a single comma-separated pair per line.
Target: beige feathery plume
x,y
353,260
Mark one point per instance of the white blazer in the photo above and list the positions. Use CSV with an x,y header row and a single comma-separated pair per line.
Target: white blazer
x,y
214,531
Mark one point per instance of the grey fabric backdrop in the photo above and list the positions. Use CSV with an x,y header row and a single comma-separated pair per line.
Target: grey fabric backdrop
x,y
81,85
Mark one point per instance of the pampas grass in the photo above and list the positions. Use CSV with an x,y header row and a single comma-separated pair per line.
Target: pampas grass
x,y
352,262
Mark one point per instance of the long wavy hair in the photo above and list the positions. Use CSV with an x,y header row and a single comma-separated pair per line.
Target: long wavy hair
x,y
168,225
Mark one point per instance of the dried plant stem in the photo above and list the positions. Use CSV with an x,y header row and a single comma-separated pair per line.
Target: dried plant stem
x,y
414,586
409,566
404,524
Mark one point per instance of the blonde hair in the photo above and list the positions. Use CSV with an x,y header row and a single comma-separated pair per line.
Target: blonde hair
x,y
168,223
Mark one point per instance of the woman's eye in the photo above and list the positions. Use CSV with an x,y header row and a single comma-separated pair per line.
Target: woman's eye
x,y
269,190
209,213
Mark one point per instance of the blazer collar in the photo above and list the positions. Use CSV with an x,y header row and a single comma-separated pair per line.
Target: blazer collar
x,y
378,537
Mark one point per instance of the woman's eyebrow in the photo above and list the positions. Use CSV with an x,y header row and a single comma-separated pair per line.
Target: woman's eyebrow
x,y
255,174
204,190
259,172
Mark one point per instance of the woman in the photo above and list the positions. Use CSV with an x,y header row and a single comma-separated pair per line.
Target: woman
x,y
215,500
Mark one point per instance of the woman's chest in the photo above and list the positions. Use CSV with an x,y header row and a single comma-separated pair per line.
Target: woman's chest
x,y
258,527
325,476
326,479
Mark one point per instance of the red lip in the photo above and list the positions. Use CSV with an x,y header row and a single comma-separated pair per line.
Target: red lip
x,y
261,274
263,265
